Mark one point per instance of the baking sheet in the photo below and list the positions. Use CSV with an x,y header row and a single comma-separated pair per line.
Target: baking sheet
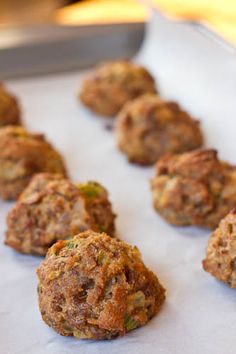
x,y
199,314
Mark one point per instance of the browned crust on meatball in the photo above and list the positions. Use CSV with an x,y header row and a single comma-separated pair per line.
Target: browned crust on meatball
x,y
22,155
149,127
194,188
220,258
96,287
98,206
10,113
112,84
52,208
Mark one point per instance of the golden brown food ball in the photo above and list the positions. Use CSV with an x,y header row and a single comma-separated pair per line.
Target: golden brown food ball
x,y
149,127
10,113
194,188
96,287
52,208
112,84
221,251
23,154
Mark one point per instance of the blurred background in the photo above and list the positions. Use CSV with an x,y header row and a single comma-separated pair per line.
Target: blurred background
x,y
42,36
219,14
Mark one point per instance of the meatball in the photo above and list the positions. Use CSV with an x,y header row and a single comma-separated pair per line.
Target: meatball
x,y
194,188
10,113
113,84
149,127
52,208
96,287
22,154
221,251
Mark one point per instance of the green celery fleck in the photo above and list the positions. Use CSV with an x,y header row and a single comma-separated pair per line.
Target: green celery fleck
x,y
91,189
130,323
73,244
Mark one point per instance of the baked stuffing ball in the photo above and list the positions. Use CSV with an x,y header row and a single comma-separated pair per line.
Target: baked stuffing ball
x,y
96,287
10,113
221,251
22,154
149,127
112,84
52,208
194,188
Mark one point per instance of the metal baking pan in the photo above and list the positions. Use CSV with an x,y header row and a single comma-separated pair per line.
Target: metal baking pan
x,y
44,49
51,48
199,314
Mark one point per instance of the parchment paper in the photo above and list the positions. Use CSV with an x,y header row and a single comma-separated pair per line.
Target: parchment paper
x,y
199,316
